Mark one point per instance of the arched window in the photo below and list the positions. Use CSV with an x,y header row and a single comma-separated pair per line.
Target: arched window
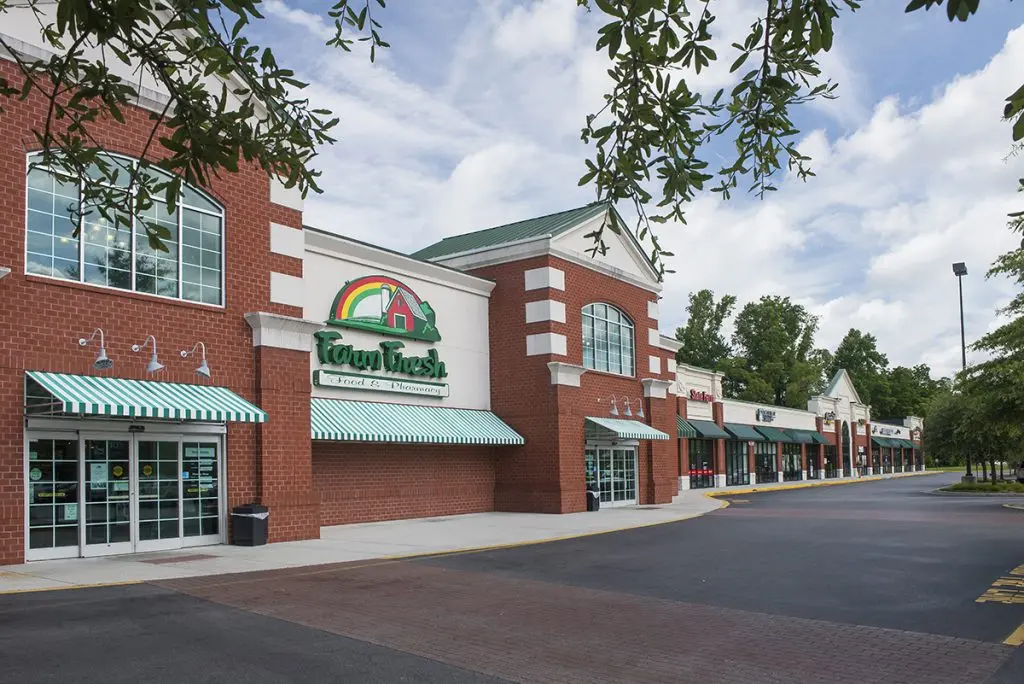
x,y
607,339
108,256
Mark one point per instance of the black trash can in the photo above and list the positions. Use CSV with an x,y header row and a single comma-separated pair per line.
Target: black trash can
x,y
249,523
593,498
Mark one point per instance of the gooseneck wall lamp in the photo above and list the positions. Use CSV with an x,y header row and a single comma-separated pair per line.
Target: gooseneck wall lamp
x,y
628,411
203,369
101,362
154,365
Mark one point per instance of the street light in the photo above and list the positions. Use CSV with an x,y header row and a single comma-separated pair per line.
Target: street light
x,y
960,270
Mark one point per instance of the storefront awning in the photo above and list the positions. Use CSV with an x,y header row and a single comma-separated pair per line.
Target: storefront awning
x,y
807,436
888,442
617,428
685,430
746,433
708,430
903,443
119,397
363,421
774,434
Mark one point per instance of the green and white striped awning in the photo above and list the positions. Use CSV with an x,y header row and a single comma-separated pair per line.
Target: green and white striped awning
x,y
120,397
342,420
617,428
684,429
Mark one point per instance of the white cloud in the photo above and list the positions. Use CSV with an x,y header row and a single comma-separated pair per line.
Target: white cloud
x,y
907,188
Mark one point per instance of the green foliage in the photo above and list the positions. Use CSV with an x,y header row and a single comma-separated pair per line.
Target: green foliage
x,y
967,423
654,123
858,354
987,487
704,344
774,360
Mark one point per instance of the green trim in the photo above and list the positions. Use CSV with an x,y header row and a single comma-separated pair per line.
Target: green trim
x,y
707,429
363,421
119,397
684,429
744,433
773,434
625,429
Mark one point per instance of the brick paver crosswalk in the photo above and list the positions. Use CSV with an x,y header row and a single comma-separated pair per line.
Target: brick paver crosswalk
x,y
531,631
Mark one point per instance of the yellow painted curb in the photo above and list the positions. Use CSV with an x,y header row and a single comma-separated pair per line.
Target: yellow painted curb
x,y
1016,638
807,484
8,592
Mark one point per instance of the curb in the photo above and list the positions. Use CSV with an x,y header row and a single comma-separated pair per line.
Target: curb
x,y
353,565
939,492
808,484
1015,507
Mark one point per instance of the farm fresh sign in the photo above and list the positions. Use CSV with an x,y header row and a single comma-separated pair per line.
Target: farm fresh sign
x,y
387,357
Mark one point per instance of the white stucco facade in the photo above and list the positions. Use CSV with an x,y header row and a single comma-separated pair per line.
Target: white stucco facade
x,y
460,302
697,385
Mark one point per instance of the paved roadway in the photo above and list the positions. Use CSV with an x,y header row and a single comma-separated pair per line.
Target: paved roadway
x,y
872,582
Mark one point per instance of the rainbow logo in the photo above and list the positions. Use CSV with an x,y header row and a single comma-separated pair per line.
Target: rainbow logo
x,y
383,305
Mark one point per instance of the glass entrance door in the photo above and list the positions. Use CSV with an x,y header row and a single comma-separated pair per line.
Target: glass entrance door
x,y
108,496
120,493
616,475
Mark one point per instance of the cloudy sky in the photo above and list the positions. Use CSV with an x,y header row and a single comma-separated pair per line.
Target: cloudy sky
x,y
472,119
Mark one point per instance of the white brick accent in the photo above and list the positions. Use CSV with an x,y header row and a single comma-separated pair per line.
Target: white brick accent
x,y
282,332
545,310
670,365
653,337
539,278
545,343
654,364
286,197
287,241
652,310
565,373
654,388
286,289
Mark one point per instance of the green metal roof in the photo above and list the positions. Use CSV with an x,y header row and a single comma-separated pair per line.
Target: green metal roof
x,y
708,430
685,430
744,432
626,429
774,434
550,225
104,396
364,421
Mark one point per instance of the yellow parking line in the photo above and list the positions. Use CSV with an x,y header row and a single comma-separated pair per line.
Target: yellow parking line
x,y
1016,638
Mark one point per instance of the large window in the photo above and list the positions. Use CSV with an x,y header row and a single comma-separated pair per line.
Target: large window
x,y
607,339
737,470
120,256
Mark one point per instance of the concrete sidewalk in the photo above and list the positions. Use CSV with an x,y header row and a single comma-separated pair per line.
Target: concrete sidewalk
x,y
374,541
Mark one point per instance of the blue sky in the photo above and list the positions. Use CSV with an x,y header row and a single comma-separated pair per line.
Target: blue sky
x,y
472,119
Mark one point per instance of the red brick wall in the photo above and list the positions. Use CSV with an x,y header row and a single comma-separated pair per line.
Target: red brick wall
x,y
546,474
366,482
41,320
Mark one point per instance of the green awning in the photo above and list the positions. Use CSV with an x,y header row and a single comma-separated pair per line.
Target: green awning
x,y
364,421
774,434
887,442
807,436
104,396
617,428
880,441
685,430
708,430
746,433
799,436
905,443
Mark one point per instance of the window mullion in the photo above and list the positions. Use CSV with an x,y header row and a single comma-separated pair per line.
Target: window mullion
x,y
131,238
181,249
81,228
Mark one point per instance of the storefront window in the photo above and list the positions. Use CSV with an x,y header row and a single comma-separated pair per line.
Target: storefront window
x,y
607,339
831,467
765,458
791,462
702,463
120,257
737,470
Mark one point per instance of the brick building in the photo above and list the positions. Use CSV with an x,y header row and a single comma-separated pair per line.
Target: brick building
x,y
145,394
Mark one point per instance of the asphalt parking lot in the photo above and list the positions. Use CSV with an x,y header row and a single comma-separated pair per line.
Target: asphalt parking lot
x,y
872,582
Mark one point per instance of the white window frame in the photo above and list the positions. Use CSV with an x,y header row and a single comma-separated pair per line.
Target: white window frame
x,y
625,323
81,243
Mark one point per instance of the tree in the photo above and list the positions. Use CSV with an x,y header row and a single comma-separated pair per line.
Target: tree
x,y
651,129
704,344
908,392
774,346
858,354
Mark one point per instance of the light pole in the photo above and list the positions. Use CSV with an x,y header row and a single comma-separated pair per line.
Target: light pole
x,y
960,270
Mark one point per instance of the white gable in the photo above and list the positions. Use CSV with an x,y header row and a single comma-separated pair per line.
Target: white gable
x,y
842,387
623,254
